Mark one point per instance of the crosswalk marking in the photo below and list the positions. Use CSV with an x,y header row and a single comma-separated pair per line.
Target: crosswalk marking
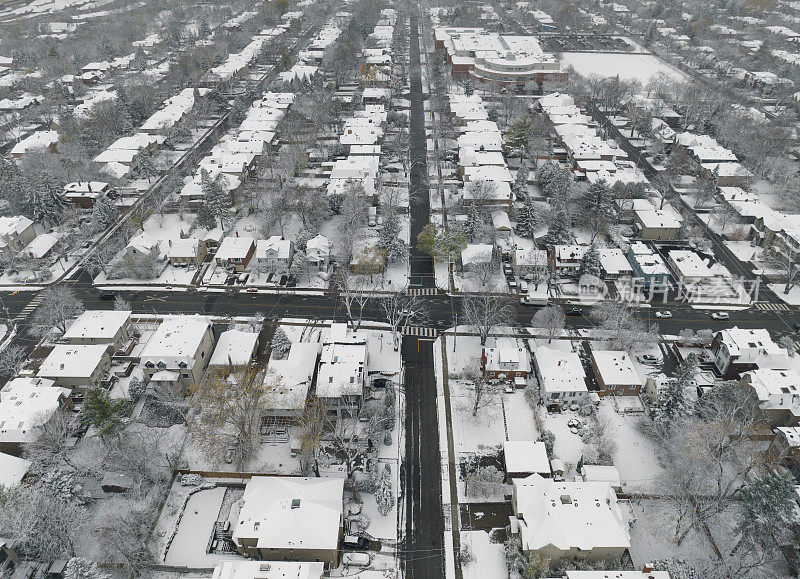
x,y
32,305
421,291
770,307
797,345
419,331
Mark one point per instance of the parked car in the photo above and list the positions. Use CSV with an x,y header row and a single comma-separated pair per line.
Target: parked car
x,y
648,358
508,388
356,559
523,287
512,283
663,314
574,311
720,316
108,295
353,542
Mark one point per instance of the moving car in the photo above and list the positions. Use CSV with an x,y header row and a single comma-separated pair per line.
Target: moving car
x,y
664,314
720,316
108,295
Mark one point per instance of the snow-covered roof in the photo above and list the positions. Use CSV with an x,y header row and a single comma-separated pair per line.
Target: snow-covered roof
x,y
526,456
26,403
12,470
187,248
276,247
98,324
318,247
295,513
704,148
296,372
234,248
506,354
13,226
235,348
616,368
750,344
560,371
776,388
648,262
175,341
568,515
613,261
617,574
342,366
601,473
790,435
268,570
690,265
73,361
36,140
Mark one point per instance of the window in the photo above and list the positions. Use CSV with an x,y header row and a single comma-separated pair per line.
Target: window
x,y
185,375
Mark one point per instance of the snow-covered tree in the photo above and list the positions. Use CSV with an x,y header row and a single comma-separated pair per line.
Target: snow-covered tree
x,y
59,305
13,360
787,343
549,440
486,311
145,168
560,230
518,137
281,344
590,263
104,215
551,319
44,201
238,110
80,568
527,220
673,401
205,218
215,198
384,497
598,208
389,238
520,187
483,481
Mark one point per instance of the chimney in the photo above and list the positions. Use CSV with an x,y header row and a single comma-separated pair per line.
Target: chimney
x,y
237,233
170,243
89,185
648,568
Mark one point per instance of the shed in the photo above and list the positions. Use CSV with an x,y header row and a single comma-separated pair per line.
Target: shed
x,y
116,482
524,458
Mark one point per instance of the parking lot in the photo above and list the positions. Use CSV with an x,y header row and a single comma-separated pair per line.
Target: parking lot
x,y
584,42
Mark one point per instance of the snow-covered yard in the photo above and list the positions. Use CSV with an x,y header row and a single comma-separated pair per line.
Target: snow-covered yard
x,y
636,455
488,559
641,67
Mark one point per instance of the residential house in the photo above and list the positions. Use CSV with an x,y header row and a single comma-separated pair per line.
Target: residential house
x,y
524,458
531,263
111,327
291,519
274,255
84,194
15,233
562,379
318,252
78,367
614,264
601,473
648,267
506,359
234,350
342,373
177,353
26,404
185,252
778,393
287,401
568,257
234,253
579,519
38,140
657,224
615,373
739,350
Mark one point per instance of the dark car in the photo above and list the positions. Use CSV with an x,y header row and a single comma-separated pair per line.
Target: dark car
x,y
355,543
575,312
797,326
108,295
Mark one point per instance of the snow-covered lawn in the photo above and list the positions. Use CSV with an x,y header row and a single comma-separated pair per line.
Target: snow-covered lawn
x,y
475,434
488,559
743,250
792,298
635,456
519,415
653,537
639,67
568,446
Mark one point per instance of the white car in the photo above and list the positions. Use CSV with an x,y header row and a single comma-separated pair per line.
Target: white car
x,y
664,314
720,316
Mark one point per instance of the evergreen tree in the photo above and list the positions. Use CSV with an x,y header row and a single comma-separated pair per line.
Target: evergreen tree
x,y
238,110
205,218
384,497
107,416
546,173
469,88
104,215
389,239
44,200
598,208
560,230
215,198
520,187
590,263
527,220
79,568
673,400
144,166
768,512
518,137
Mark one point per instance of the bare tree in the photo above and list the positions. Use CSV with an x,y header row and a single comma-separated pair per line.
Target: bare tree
x,y
13,360
312,432
59,306
353,294
551,319
618,322
482,393
231,407
399,310
486,311
48,448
